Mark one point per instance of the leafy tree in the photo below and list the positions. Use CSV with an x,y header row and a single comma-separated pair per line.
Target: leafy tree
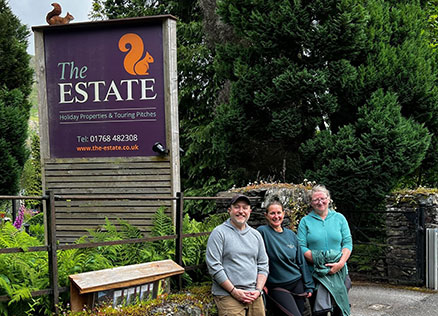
x,y
337,90
360,158
267,86
279,80
15,86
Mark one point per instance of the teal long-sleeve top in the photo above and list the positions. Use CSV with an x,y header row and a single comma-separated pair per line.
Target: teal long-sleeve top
x,y
286,260
332,233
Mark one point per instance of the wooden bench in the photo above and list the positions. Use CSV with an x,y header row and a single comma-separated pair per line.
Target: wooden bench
x,y
121,282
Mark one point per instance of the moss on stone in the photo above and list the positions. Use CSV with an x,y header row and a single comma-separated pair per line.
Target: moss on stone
x,y
196,300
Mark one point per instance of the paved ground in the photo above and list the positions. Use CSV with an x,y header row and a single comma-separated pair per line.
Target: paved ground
x,y
377,300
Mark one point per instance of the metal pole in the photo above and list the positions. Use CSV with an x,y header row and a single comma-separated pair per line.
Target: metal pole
x,y
14,210
52,247
179,233
421,246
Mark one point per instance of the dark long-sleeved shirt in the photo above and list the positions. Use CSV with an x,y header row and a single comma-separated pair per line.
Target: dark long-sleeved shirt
x,y
286,260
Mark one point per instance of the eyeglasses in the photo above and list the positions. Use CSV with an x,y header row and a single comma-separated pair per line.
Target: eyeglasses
x,y
322,200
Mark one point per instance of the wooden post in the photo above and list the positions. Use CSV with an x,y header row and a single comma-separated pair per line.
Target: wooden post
x,y
52,247
179,233
14,210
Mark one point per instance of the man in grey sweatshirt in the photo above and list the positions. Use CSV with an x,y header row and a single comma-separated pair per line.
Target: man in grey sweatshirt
x,y
238,263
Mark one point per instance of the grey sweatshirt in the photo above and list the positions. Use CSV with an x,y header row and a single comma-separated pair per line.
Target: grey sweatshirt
x,y
238,256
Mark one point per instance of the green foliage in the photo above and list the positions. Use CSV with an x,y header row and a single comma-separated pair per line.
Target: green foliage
x,y
8,180
37,231
113,9
36,219
20,273
31,176
111,256
15,86
36,226
400,59
296,210
366,258
118,255
282,71
432,11
13,134
15,72
160,249
330,75
200,208
199,297
258,79
367,158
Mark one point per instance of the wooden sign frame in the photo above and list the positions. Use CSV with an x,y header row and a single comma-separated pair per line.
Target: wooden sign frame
x,y
155,175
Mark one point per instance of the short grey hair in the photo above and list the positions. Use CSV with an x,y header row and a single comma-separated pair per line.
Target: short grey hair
x,y
320,188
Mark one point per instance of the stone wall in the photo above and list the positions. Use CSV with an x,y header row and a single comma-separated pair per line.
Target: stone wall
x,y
409,215
294,198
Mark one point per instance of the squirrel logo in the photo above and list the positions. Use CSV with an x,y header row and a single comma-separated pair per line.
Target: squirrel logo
x,y
134,62
53,16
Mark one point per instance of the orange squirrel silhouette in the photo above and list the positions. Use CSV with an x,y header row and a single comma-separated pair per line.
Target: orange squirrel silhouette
x,y
54,18
133,63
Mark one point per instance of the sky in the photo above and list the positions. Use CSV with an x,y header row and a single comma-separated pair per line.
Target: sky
x,y
33,13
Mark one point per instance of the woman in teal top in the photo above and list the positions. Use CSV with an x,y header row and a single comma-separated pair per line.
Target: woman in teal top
x,y
324,230
288,271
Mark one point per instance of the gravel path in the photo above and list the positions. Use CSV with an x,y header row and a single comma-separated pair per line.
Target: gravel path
x,y
378,300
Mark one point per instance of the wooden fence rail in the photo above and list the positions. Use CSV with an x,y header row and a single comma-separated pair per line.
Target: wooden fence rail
x,y
52,246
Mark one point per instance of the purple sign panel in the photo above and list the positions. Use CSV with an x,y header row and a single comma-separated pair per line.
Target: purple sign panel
x,y
105,91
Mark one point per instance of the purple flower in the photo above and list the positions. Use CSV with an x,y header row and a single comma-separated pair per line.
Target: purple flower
x,y
20,217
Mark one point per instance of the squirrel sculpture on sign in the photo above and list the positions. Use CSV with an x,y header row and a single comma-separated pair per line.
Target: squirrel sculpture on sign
x,y
53,17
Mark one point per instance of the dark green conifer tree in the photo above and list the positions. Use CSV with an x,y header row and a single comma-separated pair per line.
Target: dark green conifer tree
x,y
343,91
293,78
15,86
363,160
290,58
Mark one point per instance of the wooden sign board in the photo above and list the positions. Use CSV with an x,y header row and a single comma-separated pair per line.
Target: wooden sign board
x,y
121,284
107,94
